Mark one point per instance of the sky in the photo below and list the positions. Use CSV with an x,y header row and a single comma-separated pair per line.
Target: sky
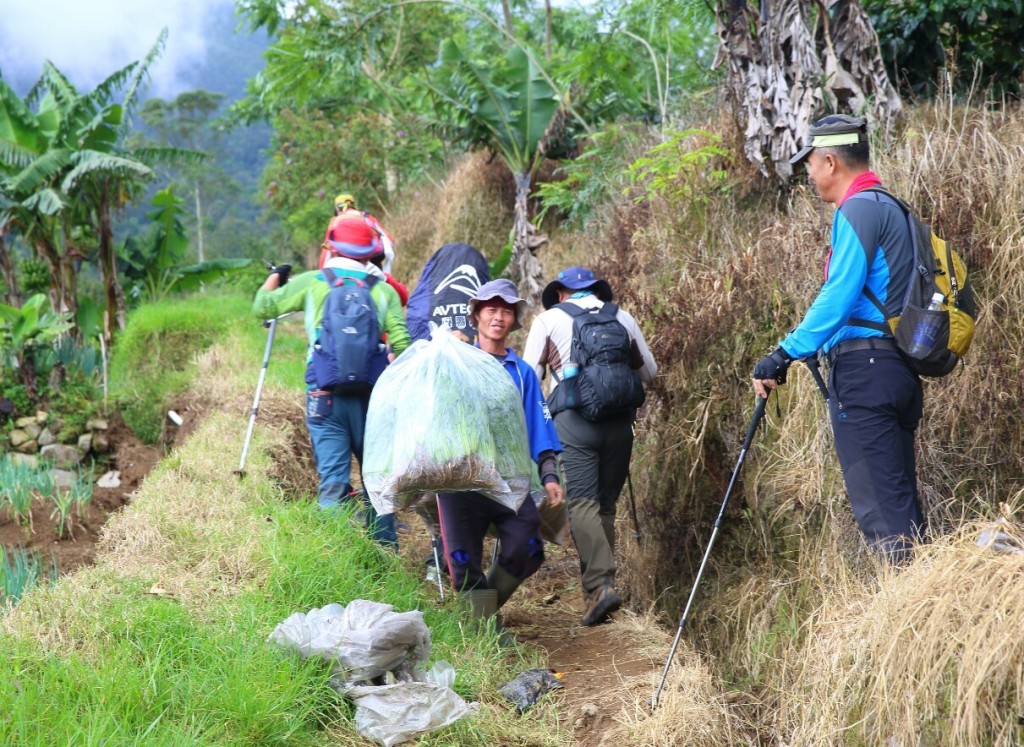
x,y
89,39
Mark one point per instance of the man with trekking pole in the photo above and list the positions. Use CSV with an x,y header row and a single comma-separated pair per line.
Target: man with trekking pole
x,y
875,398
349,309
598,361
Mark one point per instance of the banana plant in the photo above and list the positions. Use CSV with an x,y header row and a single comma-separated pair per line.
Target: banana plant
x,y
507,108
23,331
153,264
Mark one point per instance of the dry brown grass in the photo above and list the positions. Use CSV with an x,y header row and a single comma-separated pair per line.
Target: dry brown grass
x,y
716,284
929,655
472,204
800,637
692,709
189,532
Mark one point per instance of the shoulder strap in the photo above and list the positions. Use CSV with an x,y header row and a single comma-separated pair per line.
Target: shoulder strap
x,y
334,279
570,308
574,310
914,244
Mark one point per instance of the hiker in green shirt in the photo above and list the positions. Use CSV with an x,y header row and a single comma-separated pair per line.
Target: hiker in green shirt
x,y
336,416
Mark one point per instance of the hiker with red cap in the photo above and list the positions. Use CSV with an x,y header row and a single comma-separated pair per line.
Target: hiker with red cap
x,y
599,362
349,222
496,310
346,295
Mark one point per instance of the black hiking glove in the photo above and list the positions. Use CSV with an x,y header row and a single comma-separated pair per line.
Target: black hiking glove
x,y
282,272
773,366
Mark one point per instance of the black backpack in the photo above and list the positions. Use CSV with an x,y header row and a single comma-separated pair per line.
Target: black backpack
x,y
606,386
348,356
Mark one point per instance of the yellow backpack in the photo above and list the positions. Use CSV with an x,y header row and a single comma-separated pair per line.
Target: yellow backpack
x,y
938,269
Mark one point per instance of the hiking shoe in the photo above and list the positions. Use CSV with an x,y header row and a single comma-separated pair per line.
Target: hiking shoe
x,y
600,603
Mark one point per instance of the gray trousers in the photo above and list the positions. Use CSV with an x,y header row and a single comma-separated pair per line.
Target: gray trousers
x,y
595,457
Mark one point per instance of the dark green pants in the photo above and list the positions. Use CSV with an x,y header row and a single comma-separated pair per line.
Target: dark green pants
x,y
595,457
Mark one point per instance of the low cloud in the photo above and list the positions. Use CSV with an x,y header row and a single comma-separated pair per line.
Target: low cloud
x,y
88,40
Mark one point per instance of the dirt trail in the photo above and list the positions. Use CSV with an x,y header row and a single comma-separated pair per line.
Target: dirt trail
x,y
606,668
601,664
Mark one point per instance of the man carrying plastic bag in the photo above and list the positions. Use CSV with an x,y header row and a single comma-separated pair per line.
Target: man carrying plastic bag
x,y
466,512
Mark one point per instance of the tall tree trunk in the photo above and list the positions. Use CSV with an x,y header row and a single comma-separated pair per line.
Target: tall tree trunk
x,y
62,290
526,240
856,48
506,13
779,80
199,221
773,78
115,316
547,29
12,293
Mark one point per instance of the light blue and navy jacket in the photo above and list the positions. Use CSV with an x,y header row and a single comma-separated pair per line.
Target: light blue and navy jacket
x,y
540,428
871,249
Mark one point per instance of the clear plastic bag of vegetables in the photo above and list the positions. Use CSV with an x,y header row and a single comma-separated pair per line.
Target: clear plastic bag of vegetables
x,y
445,417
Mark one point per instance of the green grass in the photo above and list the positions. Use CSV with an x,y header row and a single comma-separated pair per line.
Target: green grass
x,y
153,359
287,365
96,659
164,675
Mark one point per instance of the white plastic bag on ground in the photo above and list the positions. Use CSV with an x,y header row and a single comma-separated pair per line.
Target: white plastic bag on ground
x,y
364,639
392,714
445,417
368,640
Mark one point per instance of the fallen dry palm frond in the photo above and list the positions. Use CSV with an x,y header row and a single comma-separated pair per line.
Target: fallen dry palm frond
x,y
932,654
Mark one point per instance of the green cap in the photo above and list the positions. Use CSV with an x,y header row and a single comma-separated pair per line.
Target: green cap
x,y
833,130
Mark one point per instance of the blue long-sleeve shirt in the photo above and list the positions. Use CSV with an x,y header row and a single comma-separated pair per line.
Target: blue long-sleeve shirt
x,y
540,427
872,248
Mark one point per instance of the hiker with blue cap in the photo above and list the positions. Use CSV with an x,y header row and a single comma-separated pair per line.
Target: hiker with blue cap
x,y
875,398
341,374
496,310
598,362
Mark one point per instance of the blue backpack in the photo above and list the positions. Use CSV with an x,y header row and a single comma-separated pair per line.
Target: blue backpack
x,y
348,356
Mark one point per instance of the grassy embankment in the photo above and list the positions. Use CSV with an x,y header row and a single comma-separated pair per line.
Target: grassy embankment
x,y
163,641
813,642
803,638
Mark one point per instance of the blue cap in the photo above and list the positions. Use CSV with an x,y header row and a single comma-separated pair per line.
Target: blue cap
x,y
576,279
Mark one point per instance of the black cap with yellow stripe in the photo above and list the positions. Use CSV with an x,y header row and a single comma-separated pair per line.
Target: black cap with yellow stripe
x,y
833,130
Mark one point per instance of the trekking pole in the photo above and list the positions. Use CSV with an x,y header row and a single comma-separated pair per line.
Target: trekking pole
x,y
271,324
812,363
758,414
434,541
637,534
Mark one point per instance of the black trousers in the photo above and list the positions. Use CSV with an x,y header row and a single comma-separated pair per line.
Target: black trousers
x,y
465,518
875,403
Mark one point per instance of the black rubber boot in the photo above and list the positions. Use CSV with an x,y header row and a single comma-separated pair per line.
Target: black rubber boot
x,y
502,582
